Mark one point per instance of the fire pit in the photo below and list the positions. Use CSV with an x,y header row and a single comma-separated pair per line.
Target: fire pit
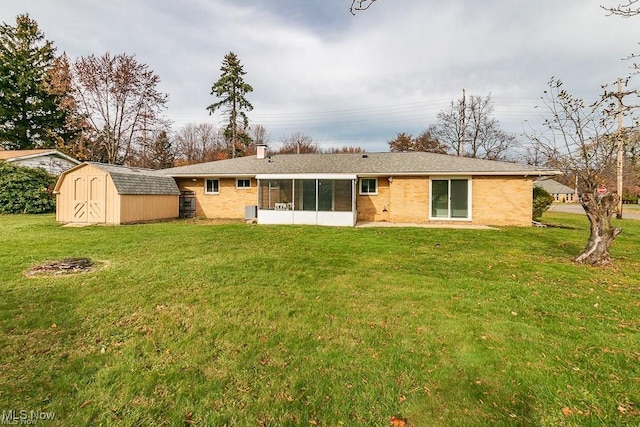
x,y
63,266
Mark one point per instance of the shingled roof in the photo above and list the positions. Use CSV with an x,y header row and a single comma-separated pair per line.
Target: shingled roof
x,y
128,180
12,155
554,187
368,164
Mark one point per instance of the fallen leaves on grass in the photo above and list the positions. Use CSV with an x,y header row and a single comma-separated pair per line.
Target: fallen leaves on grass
x,y
398,422
628,408
188,419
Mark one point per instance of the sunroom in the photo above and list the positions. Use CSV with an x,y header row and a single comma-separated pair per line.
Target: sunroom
x,y
326,199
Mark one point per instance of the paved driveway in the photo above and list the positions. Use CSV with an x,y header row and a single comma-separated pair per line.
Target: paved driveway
x,y
577,209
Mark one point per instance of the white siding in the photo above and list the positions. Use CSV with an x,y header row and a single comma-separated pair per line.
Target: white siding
x,y
51,163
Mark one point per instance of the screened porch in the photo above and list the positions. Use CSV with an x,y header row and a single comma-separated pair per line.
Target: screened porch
x,y
320,200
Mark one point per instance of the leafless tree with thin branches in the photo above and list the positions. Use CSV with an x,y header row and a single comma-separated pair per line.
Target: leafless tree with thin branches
x,y
120,99
578,140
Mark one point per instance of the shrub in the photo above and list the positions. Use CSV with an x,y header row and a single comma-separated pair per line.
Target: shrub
x,y
629,198
542,199
25,190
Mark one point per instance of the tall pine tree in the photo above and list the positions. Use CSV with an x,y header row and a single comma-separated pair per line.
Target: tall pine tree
x,y
231,88
31,115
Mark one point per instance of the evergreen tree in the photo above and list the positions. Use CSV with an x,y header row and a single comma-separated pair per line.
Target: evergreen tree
x,y
160,152
232,89
30,113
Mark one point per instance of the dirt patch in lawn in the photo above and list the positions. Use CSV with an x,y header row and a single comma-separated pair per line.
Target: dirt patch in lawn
x,y
64,267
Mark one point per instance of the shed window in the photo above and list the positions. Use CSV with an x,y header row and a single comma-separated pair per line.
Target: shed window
x,y
211,186
243,183
369,186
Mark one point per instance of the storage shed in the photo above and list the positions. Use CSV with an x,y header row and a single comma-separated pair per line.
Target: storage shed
x,y
98,193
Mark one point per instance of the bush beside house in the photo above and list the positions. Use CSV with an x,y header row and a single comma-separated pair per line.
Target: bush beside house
x,y
25,190
542,199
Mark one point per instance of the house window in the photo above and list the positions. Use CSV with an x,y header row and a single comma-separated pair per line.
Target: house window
x,y
450,198
368,186
211,186
243,183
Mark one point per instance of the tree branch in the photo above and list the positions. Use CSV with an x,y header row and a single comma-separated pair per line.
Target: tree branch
x,y
625,10
357,5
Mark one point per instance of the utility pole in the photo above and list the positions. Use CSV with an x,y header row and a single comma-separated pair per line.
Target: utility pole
x,y
463,130
619,95
620,159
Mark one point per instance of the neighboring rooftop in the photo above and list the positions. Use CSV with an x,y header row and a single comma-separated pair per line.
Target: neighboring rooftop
x,y
362,164
20,154
553,187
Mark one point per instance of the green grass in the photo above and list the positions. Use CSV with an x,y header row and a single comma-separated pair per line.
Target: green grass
x,y
244,325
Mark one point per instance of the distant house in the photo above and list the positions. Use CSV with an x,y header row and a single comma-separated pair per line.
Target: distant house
x,y
97,193
560,192
51,160
343,189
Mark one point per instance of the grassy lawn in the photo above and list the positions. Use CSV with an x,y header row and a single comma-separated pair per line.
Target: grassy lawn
x,y
244,325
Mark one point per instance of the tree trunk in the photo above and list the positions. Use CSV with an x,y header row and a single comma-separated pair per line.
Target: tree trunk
x,y
599,209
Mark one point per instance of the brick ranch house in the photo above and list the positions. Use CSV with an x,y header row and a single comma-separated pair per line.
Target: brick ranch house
x,y
343,189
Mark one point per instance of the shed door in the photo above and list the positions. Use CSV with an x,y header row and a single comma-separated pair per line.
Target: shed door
x,y
89,199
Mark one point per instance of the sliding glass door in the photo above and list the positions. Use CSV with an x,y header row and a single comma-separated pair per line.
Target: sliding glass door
x,y
450,198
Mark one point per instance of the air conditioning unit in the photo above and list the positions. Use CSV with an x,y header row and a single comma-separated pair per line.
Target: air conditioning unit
x,y
250,212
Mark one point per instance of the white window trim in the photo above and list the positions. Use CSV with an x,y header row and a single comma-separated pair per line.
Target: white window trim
x,y
243,179
360,192
469,198
205,186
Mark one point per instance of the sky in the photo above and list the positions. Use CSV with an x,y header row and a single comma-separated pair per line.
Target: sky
x,y
348,80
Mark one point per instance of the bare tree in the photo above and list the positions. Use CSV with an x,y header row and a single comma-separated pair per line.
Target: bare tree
x,y
197,143
259,135
345,150
298,143
469,129
451,128
577,138
120,99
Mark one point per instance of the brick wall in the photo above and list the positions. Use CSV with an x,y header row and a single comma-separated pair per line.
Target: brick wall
x,y
229,203
371,208
502,200
495,201
401,199
409,199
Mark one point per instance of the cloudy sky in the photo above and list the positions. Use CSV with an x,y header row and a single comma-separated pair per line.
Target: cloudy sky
x,y
351,80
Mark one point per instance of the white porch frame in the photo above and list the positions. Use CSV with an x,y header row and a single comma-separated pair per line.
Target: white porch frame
x,y
293,216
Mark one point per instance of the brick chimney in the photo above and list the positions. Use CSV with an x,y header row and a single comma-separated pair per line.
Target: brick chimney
x,y
261,151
